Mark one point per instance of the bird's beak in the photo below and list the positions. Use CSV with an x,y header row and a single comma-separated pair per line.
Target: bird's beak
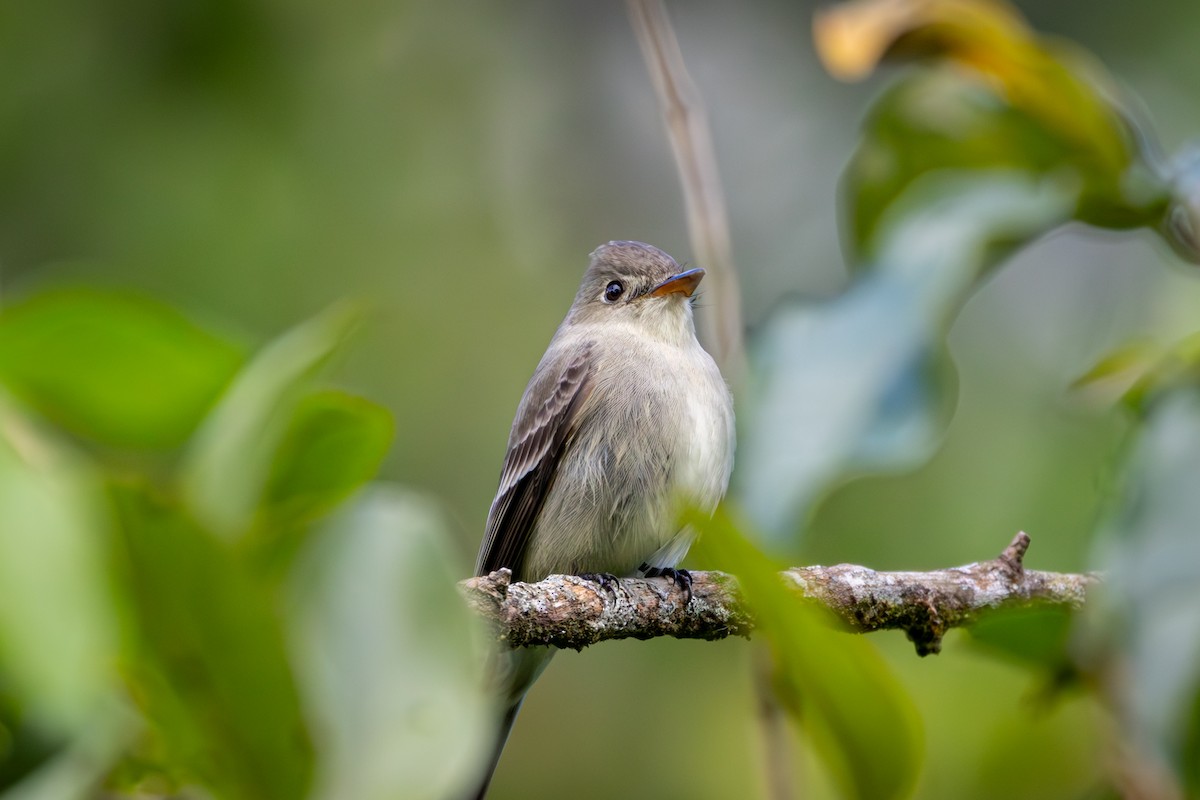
x,y
684,283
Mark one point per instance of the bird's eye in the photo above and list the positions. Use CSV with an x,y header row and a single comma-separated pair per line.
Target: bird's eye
x,y
613,292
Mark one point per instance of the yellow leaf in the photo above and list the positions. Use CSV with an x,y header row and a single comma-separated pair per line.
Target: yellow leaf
x,y
1029,72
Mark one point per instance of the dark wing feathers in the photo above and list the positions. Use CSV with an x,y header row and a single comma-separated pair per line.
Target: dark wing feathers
x,y
540,436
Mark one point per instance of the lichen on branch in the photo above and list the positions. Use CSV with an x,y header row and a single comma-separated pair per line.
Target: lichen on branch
x,y
572,611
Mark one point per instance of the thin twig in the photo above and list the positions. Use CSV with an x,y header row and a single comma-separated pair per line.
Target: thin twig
x,y
778,754
691,143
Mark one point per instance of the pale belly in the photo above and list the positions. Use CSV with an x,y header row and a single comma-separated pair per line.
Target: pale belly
x,y
621,489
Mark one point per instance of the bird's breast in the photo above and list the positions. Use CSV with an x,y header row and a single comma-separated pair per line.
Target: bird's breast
x,y
656,438
705,453
677,420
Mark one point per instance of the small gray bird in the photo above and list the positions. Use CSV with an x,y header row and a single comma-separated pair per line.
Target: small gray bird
x,y
625,423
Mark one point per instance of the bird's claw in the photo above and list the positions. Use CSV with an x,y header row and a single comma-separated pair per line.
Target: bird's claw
x,y
607,581
680,577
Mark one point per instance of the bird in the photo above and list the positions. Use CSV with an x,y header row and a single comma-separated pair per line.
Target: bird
x,y
626,423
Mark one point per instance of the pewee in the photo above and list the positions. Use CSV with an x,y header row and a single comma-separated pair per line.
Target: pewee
x,y
625,423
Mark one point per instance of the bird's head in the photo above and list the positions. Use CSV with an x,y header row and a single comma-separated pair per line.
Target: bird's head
x,y
637,284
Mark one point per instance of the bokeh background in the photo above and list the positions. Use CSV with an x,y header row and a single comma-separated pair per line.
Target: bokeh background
x,y
453,163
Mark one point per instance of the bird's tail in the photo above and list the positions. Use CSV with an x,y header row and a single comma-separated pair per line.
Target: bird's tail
x,y
510,716
513,673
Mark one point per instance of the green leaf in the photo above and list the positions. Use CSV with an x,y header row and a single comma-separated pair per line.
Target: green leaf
x,y
24,746
392,656
58,627
229,463
1035,636
926,124
75,771
1124,373
1005,98
1041,77
862,382
210,668
1191,744
1181,225
1149,612
121,370
334,445
836,685
1004,140
1140,373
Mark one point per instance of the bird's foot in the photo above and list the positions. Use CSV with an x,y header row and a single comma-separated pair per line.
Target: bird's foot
x,y
680,577
607,581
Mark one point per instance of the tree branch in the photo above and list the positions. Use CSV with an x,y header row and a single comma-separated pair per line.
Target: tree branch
x,y
570,611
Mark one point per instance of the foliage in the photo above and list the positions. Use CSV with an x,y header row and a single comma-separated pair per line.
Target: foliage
x,y
863,724
160,594
1003,137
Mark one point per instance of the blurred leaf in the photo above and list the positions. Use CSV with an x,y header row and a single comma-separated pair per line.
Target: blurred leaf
x,y
1030,72
58,628
957,168
211,672
1191,744
1141,372
1181,226
122,370
393,660
23,747
836,685
1015,100
853,384
230,460
1036,636
335,443
77,771
1151,553
1121,374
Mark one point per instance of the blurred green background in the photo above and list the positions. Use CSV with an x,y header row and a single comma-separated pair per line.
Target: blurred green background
x,y
453,163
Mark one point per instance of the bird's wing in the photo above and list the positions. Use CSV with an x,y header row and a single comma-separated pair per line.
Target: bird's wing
x,y
541,434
